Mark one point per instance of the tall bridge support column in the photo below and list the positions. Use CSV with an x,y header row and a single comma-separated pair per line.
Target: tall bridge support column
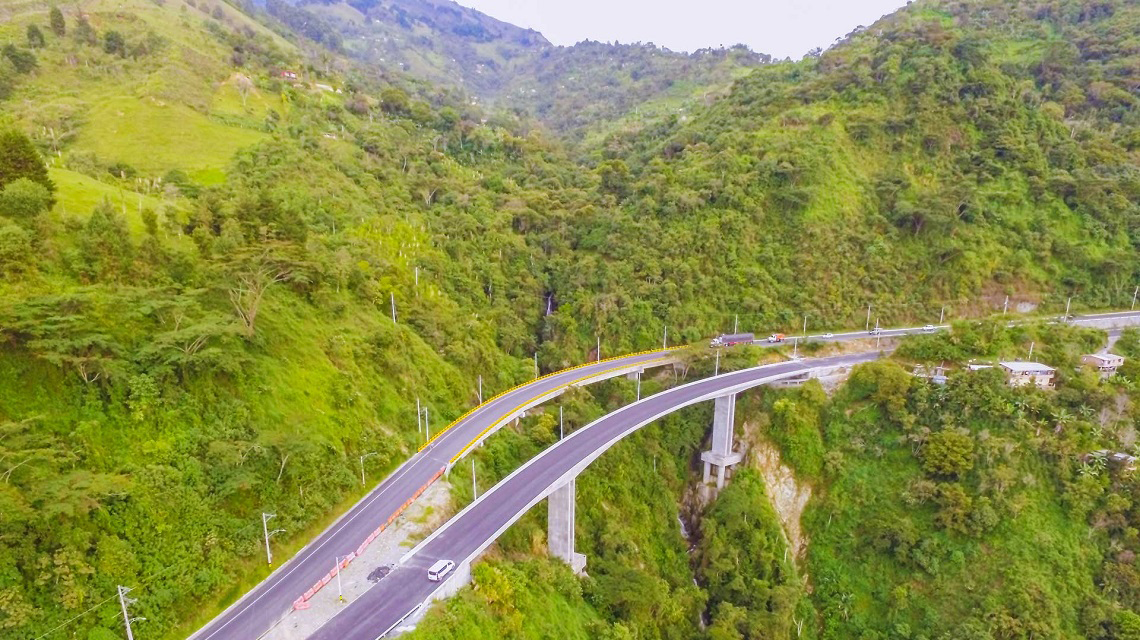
x,y
560,527
721,454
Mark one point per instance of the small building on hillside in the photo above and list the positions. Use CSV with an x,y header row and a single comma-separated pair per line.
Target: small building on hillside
x,y
289,75
1105,363
978,366
1021,374
937,375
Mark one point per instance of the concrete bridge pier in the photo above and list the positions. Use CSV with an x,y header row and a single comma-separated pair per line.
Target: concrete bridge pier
x,y
721,454
560,527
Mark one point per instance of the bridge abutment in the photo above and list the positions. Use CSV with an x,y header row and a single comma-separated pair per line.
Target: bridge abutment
x,y
720,454
560,527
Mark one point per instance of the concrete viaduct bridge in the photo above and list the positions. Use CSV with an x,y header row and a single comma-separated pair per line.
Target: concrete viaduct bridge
x,y
552,474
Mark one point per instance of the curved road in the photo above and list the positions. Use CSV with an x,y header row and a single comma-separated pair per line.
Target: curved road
x,y
264,606
465,536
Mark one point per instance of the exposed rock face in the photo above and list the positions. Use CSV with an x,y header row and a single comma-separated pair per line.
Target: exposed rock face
x,y
789,497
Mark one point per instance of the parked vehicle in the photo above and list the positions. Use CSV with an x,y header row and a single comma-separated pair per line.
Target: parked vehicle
x,y
775,337
827,336
928,329
727,340
876,331
440,569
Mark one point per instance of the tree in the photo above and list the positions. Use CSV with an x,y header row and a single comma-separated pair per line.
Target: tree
x,y
105,246
84,32
253,275
948,453
19,159
35,37
23,199
23,61
58,26
115,44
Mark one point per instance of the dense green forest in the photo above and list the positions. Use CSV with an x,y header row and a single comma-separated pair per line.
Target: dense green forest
x,y
233,256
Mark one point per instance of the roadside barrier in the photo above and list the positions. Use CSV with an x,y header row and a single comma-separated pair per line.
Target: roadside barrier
x,y
303,601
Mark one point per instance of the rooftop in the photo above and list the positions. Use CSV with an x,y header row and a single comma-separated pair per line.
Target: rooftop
x,y
1027,367
1105,357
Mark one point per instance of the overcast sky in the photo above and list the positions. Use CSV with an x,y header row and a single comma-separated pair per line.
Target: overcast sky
x,y
778,27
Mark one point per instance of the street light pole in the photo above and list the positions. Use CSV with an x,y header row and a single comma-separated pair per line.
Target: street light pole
x,y
419,417
1067,303
1134,293
805,326
560,428
599,351
265,518
665,338
339,589
736,323
427,427
367,455
536,364
480,388
867,327
639,385
474,487
716,368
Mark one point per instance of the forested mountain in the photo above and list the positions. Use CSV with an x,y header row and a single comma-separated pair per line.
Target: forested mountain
x,y
250,252
574,91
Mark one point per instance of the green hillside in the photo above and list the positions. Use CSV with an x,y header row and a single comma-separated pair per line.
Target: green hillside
x,y
196,309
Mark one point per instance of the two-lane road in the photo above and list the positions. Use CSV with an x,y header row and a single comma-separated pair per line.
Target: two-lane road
x,y
263,607
467,534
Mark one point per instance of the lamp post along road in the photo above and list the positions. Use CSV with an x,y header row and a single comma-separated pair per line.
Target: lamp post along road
x,y
367,455
265,518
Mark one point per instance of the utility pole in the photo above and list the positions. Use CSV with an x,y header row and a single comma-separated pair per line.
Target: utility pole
x,y
665,340
1005,306
339,589
599,351
480,388
536,364
427,429
1067,303
639,385
716,368
474,487
393,302
419,417
805,326
367,455
123,602
867,327
265,518
1134,293
736,323
1031,345
942,315
561,430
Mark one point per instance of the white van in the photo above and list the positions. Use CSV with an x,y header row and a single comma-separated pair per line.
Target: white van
x,y
440,569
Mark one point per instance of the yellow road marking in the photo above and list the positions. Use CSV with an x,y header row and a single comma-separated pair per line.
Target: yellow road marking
x,y
529,382
548,392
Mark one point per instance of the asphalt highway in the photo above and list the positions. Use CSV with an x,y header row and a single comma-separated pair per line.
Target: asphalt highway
x,y
261,608
402,591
